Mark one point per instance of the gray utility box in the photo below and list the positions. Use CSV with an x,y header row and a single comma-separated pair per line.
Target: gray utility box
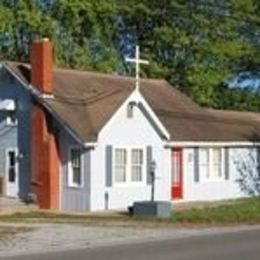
x,y
159,209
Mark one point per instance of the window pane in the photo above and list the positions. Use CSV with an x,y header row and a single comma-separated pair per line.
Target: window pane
x,y
120,156
137,163
76,176
204,163
137,156
136,173
217,173
120,174
216,156
120,165
75,156
204,170
11,174
204,156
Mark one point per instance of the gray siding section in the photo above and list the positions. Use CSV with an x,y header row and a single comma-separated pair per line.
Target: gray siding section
x,y
149,159
109,166
74,199
16,136
196,165
226,162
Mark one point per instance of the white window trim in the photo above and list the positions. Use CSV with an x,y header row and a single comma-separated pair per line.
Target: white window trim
x,y
70,183
128,181
16,151
211,164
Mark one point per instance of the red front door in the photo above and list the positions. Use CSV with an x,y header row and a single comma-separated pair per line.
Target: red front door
x,y
177,180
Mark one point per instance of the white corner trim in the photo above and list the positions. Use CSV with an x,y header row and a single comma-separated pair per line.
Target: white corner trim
x,y
211,144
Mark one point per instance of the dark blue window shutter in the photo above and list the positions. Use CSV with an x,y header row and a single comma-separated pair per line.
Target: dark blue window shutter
x,y
149,159
226,163
196,165
109,166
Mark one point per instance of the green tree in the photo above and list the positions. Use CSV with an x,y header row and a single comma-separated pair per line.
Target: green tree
x,y
198,45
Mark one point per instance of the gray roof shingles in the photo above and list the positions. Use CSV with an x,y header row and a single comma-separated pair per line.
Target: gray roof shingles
x,y
85,101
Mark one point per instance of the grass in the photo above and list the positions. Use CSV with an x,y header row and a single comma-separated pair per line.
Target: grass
x,y
242,211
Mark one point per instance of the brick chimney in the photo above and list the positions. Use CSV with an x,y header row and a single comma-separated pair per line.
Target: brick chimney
x,y
45,161
42,66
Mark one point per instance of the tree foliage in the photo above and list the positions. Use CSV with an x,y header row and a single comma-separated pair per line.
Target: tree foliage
x,y
198,45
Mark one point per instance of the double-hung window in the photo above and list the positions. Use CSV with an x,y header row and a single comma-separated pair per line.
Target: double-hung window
x,y
216,163
75,173
120,165
211,163
128,165
137,165
204,163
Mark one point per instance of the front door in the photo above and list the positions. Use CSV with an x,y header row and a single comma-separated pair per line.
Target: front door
x,y
11,173
177,178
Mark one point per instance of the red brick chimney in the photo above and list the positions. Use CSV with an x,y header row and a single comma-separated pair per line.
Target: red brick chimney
x,y
45,161
42,66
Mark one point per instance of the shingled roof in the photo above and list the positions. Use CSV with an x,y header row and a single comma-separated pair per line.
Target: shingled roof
x,y
85,101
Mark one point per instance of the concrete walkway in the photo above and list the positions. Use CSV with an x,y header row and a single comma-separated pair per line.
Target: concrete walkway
x,y
10,206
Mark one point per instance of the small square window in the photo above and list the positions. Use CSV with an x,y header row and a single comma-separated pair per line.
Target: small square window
x,y
130,109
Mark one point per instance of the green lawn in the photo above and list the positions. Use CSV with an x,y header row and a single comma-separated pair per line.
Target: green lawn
x,y
242,211
239,211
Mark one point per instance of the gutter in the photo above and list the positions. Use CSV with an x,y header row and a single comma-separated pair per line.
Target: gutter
x,y
211,144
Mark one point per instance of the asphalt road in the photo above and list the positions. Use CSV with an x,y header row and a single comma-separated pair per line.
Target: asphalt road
x,y
226,246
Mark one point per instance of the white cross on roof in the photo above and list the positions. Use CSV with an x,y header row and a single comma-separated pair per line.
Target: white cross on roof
x,y
137,62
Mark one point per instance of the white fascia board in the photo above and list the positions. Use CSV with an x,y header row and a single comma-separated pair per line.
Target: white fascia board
x,y
90,144
212,144
148,108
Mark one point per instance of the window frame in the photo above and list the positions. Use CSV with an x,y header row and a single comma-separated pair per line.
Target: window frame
x,y
70,182
129,165
114,165
212,177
